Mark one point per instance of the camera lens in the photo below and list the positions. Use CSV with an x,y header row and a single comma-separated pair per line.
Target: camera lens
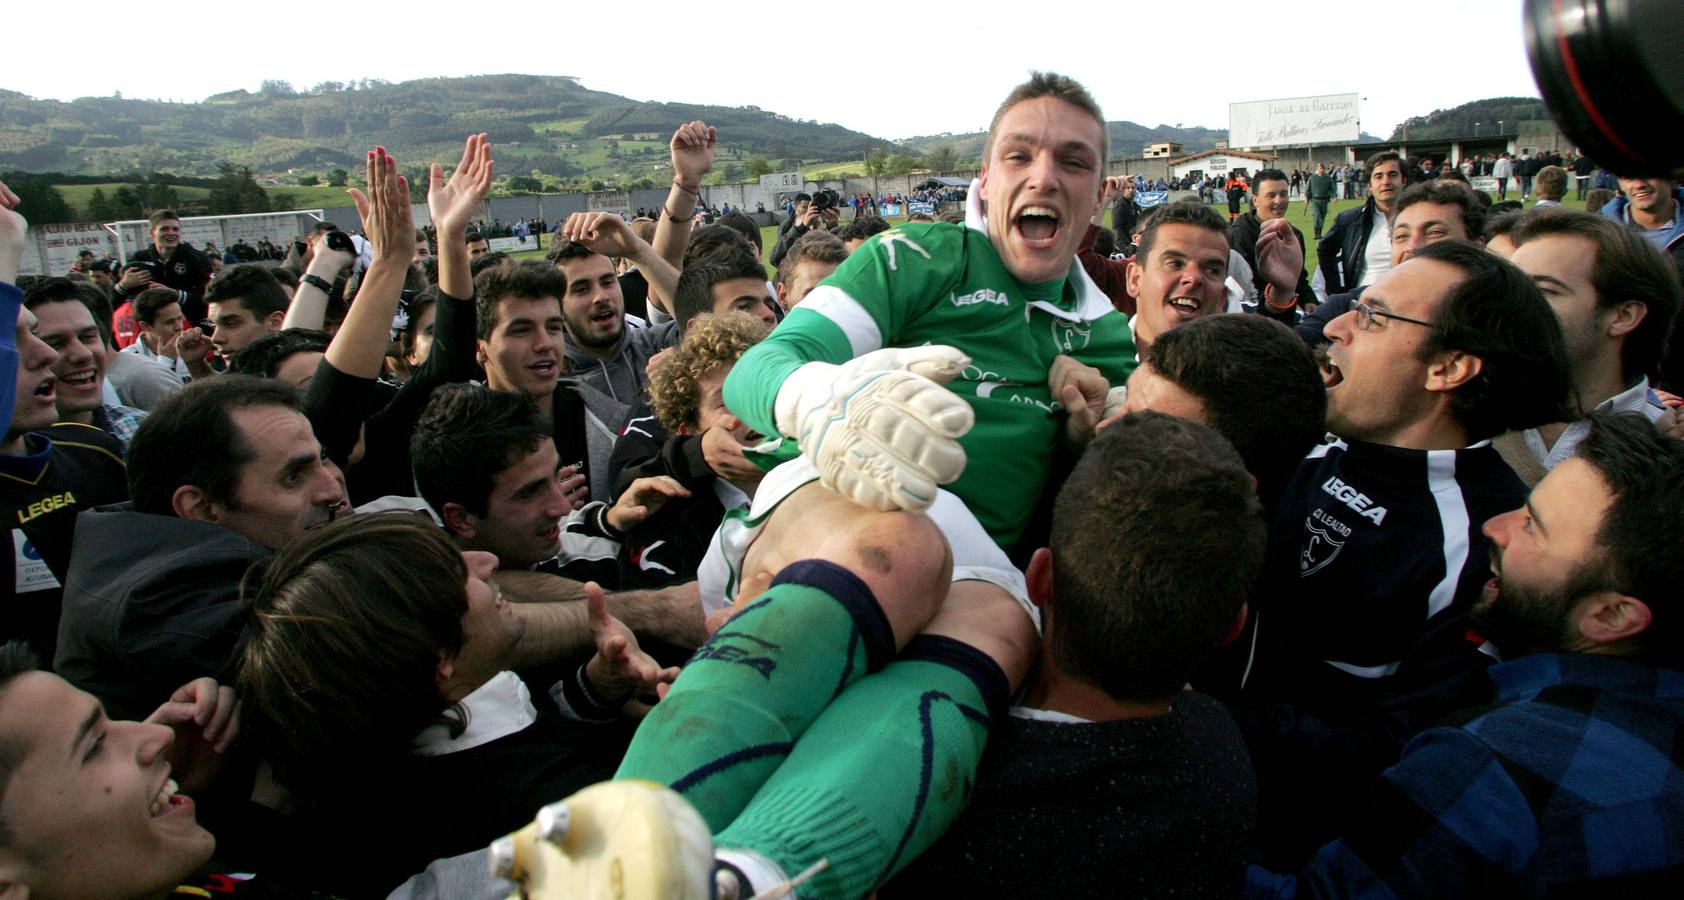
x,y
1613,79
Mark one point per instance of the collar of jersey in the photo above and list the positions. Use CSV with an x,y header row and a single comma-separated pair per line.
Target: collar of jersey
x,y
1091,303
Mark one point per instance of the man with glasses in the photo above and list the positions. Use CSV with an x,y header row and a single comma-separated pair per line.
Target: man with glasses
x,y
1427,212
1357,637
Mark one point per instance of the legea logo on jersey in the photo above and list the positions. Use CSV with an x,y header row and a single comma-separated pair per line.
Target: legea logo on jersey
x,y
986,295
1356,500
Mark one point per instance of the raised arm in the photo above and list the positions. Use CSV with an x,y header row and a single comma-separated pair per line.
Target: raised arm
x,y
693,146
608,234
308,308
452,204
359,348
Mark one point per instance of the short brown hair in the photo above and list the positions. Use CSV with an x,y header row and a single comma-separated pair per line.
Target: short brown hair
x,y
818,246
1550,183
519,278
1627,267
162,215
1051,84
710,341
346,629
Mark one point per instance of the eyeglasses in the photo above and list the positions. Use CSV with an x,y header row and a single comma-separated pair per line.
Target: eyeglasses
x,y
1367,314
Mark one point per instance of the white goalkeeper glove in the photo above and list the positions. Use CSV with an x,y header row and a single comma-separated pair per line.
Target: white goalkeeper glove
x,y
881,429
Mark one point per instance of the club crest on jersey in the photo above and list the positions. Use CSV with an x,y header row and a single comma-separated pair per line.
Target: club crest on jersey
x,y
181,268
986,295
1355,499
1324,537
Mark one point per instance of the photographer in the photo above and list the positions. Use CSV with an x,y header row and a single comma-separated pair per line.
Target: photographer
x,y
823,211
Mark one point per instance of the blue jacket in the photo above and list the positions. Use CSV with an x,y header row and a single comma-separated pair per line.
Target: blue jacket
x,y
1616,210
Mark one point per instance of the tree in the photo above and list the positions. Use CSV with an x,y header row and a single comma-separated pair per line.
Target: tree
x,y
99,206
39,201
275,87
236,191
876,162
308,180
525,184
900,164
942,158
124,203
282,200
758,166
338,177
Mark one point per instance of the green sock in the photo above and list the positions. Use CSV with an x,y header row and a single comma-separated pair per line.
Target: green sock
x,y
756,685
881,775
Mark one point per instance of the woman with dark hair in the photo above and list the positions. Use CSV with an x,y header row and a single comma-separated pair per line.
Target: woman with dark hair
x,y
376,684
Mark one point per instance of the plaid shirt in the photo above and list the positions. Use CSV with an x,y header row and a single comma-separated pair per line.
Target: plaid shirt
x,y
1572,784
120,421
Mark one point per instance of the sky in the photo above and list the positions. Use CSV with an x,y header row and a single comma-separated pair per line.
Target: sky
x,y
903,69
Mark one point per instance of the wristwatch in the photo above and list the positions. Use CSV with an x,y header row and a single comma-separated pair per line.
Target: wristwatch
x,y
318,281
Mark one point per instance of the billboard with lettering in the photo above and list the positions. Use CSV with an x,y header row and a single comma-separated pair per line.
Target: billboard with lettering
x,y
1327,119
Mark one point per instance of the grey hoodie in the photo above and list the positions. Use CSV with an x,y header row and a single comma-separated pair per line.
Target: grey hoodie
x,y
621,375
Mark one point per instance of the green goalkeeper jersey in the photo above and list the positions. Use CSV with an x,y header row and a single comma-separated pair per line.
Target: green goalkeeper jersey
x,y
938,283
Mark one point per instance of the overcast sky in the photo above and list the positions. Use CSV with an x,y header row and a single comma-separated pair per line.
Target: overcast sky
x,y
899,70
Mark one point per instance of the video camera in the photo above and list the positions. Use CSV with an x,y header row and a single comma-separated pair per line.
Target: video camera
x,y
825,199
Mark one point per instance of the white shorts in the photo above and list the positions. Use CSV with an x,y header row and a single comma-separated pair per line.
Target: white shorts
x,y
975,555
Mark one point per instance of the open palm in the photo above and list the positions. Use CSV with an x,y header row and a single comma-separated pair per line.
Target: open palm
x,y
452,203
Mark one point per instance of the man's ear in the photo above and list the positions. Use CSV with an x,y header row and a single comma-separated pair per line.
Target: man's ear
x,y
445,672
190,502
458,521
1131,281
480,355
275,320
1609,617
1039,577
1453,369
1627,316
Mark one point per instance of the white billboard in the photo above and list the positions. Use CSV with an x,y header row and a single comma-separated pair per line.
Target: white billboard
x,y
782,183
1327,119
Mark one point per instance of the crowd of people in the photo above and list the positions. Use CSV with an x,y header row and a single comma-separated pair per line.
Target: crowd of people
x,y
1004,554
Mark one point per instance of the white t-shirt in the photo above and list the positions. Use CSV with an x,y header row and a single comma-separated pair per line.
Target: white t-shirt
x,y
1377,258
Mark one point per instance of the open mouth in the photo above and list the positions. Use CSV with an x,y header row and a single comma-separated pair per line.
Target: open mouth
x,y
1038,225
543,368
167,799
1330,374
1185,308
47,389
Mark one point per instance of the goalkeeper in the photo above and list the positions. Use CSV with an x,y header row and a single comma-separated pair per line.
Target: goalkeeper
x,y
937,354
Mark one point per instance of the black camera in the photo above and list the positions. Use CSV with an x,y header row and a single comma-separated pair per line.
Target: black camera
x,y
1613,79
339,240
823,199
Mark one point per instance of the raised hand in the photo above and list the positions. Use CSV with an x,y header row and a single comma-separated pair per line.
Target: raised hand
x,y
13,228
693,146
1280,258
620,669
387,219
205,718
602,232
642,499
452,203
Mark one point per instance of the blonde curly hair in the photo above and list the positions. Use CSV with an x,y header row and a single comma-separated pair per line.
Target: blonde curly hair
x,y
710,342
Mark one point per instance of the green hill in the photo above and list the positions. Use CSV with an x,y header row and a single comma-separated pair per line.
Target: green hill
x,y
550,124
